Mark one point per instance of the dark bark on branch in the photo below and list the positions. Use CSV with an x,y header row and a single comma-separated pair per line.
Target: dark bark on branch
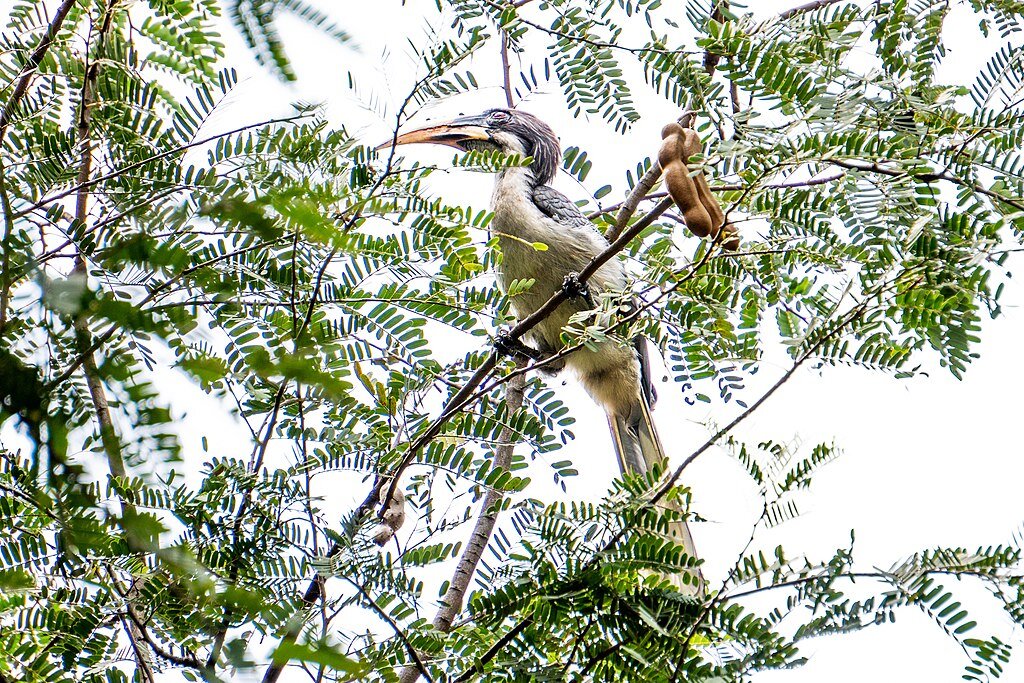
x,y
495,649
189,660
29,69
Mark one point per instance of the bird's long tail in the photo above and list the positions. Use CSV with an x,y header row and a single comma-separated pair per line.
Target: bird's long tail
x,y
639,450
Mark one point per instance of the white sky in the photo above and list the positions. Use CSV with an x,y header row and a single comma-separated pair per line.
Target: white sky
x,y
929,461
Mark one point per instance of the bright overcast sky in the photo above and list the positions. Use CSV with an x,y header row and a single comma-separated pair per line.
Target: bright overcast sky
x,y
928,461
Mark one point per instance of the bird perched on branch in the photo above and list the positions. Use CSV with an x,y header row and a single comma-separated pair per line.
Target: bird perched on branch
x,y
527,210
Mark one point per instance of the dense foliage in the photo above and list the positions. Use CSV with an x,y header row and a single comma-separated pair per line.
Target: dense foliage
x,y
318,290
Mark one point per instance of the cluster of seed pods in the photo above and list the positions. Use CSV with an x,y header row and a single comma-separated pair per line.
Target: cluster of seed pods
x,y
691,193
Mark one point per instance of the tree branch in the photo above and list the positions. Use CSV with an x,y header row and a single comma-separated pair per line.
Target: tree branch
x,y
653,174
5,247
808,7
582,39
667,486
88,183
451,603
875,167
853,576
143,658
505,70
189,661
108,434
103,338
493,650
729,187
29,69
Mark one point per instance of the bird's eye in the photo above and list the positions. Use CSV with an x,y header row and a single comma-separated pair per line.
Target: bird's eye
x,y
500,116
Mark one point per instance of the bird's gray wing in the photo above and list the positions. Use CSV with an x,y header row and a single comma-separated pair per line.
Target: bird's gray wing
x,y
559,207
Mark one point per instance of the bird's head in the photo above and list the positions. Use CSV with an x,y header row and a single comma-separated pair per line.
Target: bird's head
x,y
504,130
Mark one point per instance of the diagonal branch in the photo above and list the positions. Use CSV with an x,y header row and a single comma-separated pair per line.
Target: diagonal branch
x,y
499,644
29,69
465,395
91,182
163,286
420,668
847,318
874,167
460,400
807,7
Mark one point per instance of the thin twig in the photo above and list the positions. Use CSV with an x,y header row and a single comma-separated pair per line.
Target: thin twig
x,y
495,649
874,167
710,604
189,660
84,185
421,669
260,455
505,70
582,39
5,247
729,187
853,576
103,338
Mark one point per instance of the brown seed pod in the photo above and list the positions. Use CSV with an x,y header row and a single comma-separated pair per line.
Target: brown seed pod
x,y
691,193
680,185
393,519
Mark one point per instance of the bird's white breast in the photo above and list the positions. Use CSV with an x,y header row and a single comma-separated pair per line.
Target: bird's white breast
x,y
519,224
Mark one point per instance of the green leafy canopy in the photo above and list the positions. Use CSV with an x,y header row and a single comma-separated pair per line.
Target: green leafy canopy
x,y
326,298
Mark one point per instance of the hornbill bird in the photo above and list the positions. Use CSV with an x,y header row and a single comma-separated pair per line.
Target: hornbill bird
x,y
528,210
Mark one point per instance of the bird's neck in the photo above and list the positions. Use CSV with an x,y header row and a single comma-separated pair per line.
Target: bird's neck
x,y
511,186
512,202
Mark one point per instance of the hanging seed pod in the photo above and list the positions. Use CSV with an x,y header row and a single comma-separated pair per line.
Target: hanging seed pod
x,y
701,211
393,519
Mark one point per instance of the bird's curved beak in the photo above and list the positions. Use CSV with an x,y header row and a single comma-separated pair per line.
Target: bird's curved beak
x,y
453,133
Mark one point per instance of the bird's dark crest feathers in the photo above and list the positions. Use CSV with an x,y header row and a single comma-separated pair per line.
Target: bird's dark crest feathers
x,y
538,139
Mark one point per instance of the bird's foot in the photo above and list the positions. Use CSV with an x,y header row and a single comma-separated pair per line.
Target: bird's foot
x,y
505,345
574,287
